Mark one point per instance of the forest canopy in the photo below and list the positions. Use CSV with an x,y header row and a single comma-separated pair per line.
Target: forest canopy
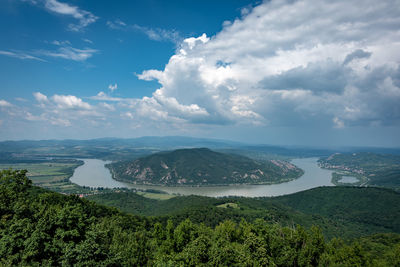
x,y
39,227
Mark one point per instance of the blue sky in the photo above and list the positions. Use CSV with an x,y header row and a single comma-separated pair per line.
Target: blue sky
x,y
277,72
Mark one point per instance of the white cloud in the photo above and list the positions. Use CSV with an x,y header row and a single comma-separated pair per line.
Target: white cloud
x,y
87,41
192,41
4,103
101,96
128,115
156,34
305,64
338,123
56,42
116,24
60,122
285,63
30,117
107,106
84,17
70,53
113,87
64,111
20,55
20,99
70,102
64,50
40,97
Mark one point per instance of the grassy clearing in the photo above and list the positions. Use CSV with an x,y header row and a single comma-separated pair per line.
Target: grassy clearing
x,y
157,196
228,205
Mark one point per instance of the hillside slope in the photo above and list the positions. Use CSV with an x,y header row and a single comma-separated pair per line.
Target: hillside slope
x,y
43,228
202,166
345,211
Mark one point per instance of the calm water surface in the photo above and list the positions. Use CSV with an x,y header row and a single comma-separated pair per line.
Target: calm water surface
x,y
94,174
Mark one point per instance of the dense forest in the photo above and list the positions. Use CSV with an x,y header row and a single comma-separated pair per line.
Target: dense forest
x,y
347,212
40,227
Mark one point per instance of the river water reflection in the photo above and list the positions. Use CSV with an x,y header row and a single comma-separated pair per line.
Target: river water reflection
x,y
94,174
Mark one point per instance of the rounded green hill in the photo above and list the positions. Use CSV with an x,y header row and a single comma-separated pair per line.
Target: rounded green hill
x,y
202,166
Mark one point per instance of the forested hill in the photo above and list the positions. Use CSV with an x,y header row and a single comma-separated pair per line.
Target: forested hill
x,y
340,211
43,228
202,166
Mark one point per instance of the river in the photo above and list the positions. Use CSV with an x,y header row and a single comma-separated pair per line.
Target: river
x,y
94,174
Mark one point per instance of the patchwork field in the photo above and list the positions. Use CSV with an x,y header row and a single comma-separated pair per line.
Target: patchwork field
x,y
53,175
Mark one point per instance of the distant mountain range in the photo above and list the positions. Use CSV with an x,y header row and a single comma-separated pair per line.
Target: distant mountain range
x,y
132,148
202,166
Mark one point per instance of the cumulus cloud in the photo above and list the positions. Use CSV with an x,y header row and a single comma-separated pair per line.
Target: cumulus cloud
x,y
4,103
105,97
70,102
65,111
326,76
287,62
84,17
40,97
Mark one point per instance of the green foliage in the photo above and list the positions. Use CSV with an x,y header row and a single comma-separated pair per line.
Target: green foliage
x,y
365,210
43,228
201,166
340,211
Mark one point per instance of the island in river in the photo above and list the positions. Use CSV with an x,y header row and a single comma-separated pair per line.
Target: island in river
x,y
202,166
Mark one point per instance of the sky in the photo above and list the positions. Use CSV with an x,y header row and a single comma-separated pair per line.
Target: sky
x,y
283,72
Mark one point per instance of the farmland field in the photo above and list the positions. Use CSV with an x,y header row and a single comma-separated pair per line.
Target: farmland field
x,y
53,174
